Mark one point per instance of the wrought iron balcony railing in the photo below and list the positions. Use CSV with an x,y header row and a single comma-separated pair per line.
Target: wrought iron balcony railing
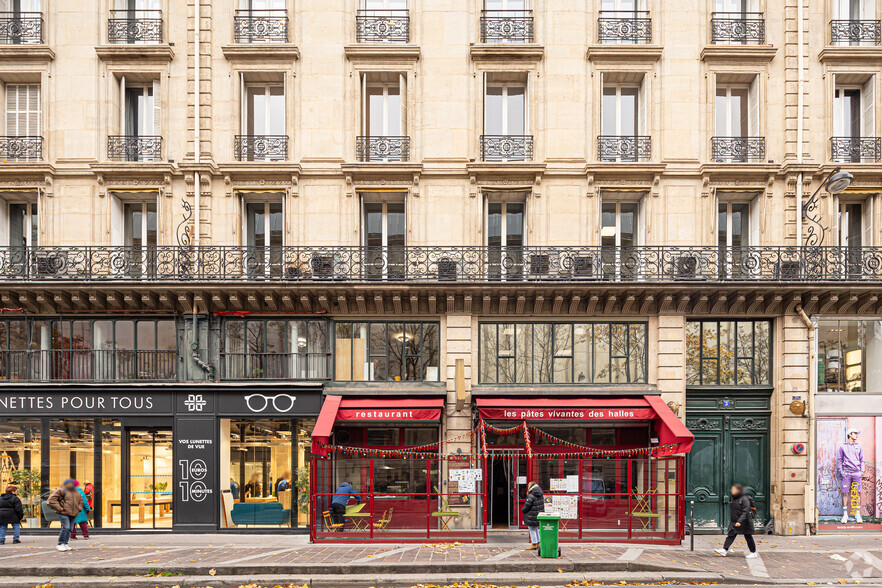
x,y
745,28
21,148
261,26
639,264
856,149
624,148
134,148
21,28
382,26
506,147
275,366
507,26
855,32
375,148
135,27
261,147
87,365
738,149
624,26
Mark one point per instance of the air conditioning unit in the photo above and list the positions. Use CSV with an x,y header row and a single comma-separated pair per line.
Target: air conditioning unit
x,y
44,264
540,264
446,269
583,266
789,270
686,267
322,266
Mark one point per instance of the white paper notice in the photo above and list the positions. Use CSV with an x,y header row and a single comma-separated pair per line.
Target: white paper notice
x,y
522,480
558,485
466,486
573,484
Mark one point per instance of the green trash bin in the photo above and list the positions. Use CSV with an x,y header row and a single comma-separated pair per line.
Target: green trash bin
x,y
549,535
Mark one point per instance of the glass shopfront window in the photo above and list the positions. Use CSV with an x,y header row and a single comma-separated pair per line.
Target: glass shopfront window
x,y
563,353
392,352
71,451
265,472
20,464
728,353
850,356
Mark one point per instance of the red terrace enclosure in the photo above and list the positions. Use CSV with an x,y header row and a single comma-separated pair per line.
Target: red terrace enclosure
x,y
612,467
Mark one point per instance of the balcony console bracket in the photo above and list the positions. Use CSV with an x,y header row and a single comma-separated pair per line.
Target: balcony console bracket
x,y
507,52
851,55
252,52
135,53
624,53
738,53
27,53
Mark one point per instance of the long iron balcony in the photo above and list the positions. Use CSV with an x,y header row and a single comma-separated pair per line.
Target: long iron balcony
x,y
640,264
21,28
87,365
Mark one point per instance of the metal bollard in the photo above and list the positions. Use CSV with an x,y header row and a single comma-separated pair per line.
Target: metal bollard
x,y
691,525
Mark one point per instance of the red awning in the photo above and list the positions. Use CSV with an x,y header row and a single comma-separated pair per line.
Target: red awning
x,y
639,408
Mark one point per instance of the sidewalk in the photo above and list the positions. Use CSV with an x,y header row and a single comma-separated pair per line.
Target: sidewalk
x,y
231,560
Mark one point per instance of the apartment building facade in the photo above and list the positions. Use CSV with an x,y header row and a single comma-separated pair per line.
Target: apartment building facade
x,y
247,238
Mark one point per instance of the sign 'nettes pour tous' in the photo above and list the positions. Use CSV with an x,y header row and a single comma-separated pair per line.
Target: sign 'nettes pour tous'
x,y
78,402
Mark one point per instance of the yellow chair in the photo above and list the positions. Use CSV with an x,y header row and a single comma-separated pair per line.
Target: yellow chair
x,y
383,523
329,522
643,508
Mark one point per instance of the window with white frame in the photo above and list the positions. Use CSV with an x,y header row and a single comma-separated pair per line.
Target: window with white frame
x,y
624,22
623,119
854,120
855,222
507,21
384,118
737,22
621,232
506,113
384,233
737,229
25,23
139,135
854,23
264,123
506,233
134,227
140,224
23,110
21,223
736,122
263,230
137,22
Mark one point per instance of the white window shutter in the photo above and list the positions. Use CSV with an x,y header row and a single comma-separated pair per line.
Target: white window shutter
x,y
484,101
35,110
867,222
641,221
4,223
868,107
753,107
868,9
643,107
11,109
402,96
526,107
243,104
755,213
364,105
122,105
157,109
117,222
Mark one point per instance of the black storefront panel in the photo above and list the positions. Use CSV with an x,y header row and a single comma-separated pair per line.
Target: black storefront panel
x,y
195,493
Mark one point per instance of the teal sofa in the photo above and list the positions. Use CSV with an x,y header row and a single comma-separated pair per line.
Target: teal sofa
x,y
260,513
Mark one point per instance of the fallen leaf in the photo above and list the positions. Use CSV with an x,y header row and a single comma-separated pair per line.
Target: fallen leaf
x,y
212,572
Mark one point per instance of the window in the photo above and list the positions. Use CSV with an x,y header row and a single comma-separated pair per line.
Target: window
x,y
23,22
264,128
23,226
738,22
854,122
624,22
848,351
23,141
384,118
506,236
737,124
855,227
384,236
382,21
854,23
261,21
264,235
507,21
506,132
134,225
562,353
135,22
391,352
621,231
140,227
139,136
735,233
279,349
728,353
623,121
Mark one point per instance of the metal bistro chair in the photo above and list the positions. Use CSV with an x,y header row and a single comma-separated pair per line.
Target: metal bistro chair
x,y
329,522
383,523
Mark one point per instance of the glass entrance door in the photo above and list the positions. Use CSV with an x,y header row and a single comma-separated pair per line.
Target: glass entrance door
x,y
150,492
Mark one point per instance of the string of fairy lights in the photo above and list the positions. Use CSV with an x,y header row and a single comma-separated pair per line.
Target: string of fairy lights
x,y
483,450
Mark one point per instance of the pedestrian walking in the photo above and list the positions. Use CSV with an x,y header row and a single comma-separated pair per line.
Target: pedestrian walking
x,y
89,490
533,505
83,518
741,516
68,503
11,513
344,492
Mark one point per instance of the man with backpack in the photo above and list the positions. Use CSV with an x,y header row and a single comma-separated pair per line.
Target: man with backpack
x,y
743,511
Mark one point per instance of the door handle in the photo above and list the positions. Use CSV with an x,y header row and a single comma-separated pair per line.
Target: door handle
x,y
726,499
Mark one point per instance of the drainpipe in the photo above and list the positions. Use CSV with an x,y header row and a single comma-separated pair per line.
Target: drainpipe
x,y
197,134
800,105
810,489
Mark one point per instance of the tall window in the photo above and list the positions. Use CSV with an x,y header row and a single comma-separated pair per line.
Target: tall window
x,y
506,237
854,122
849,355
23,226
139,136
139,110
135,22
624,22
23,140
261,21
140,224
384,237
728,353
619,235
384,118
623,122
855,226
381,351
277,349
263,234
854,22
505,109
733,224
382,21
264,134
562,353
507,21
24,24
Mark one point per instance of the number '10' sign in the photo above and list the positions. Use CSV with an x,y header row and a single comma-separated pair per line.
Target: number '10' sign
x,y
191,484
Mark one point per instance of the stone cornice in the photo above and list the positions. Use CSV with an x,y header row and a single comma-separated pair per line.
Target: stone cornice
x,y
384,53
507,52
620,53
27,52
738,53
126,52
265,52
853,55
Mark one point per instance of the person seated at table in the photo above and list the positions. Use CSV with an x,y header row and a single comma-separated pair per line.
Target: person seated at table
x,y
252,488
282,484
344,492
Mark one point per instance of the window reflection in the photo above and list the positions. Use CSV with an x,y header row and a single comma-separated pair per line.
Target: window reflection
x,y
849,356
728,353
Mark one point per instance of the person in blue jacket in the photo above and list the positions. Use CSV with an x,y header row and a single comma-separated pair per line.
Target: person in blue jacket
x,y
83,518
344,492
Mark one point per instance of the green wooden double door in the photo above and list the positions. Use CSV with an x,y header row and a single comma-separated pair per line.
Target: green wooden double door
x,y
732,439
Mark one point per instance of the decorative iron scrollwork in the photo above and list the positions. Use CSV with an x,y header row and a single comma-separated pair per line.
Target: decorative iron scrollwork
x,y
134,26
383,148
738,27
506,147
624,148
261,147
631,26
738,149
382,26
261,26
507,26
21,28
183,230
21,148
134,148
856,149
855,32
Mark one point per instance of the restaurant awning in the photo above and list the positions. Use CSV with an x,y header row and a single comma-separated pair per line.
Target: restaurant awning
x,y
382,410
669,428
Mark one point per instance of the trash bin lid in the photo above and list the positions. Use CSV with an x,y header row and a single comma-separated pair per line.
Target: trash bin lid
x,y
551,516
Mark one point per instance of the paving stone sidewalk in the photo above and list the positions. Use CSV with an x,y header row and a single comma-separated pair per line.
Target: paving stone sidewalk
x,y
820,559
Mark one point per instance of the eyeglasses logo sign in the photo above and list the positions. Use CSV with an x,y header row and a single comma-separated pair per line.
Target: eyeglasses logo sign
x,y
261,402
195,402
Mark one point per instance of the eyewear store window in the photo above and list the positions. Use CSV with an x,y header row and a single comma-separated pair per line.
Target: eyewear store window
x,y
848,405
267,461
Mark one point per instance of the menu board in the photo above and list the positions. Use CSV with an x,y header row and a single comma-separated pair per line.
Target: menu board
x,y
466,475
558,485
566,506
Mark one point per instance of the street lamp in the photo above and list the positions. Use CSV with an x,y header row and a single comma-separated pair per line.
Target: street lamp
x,y
837,181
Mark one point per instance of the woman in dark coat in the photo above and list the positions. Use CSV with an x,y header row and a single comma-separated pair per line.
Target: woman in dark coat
x,y
533,505
740,522
11,513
